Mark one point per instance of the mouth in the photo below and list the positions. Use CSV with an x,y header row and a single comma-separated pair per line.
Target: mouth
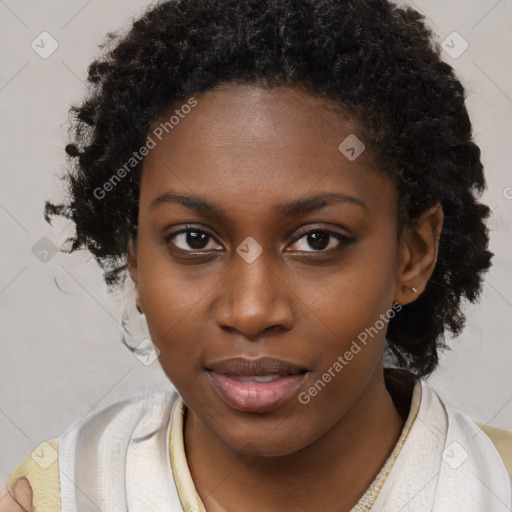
x,y
257,385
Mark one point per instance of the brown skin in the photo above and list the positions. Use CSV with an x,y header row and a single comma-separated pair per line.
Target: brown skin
x,y
20,500
247,148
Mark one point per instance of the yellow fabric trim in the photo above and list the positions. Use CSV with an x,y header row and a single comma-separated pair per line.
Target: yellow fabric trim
x,y
502,440
187,492
41,469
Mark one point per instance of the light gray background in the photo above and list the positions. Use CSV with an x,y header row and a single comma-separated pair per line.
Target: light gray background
x,y
60,353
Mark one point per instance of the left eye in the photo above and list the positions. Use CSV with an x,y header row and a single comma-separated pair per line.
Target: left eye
x,y
319,241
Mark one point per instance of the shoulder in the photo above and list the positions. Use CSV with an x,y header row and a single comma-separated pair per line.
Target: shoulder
x,y
464,455
491,444
502,440
120,455
126,421
40,468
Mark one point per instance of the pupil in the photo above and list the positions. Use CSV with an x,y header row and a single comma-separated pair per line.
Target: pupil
x,y
194,242
318,240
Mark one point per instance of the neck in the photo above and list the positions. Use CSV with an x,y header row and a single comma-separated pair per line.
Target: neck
x,y
331,473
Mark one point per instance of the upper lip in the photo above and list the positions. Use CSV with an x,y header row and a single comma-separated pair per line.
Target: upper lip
x,y
240,366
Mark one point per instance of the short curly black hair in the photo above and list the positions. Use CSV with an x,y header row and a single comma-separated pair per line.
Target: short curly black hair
x,y
377,61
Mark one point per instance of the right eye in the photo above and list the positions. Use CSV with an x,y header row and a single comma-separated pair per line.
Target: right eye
x,y
196,239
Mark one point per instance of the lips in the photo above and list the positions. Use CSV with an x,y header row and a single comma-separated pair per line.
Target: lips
x,y
256,385
241,367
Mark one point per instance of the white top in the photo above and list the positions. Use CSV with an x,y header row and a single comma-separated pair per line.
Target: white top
x,y
118,460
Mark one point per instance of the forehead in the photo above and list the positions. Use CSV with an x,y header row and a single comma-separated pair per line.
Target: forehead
x,y
249,145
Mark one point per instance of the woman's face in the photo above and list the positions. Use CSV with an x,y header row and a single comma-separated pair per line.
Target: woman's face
x,y
235,258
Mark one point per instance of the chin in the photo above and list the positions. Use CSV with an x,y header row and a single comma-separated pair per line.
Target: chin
x,y
255,442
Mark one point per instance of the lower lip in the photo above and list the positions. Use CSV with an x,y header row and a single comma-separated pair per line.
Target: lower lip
x,y
255,396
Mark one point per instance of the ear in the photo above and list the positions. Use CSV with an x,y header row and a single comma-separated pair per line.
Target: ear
x,y
131,262
418,251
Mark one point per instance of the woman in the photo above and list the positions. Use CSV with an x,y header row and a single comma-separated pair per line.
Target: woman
x,y
291,188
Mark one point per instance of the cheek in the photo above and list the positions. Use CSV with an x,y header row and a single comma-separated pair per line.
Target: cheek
x,y
172,305
352,307
354,317
352,296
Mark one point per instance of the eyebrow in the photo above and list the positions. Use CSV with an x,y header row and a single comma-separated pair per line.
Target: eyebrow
x,y
290,209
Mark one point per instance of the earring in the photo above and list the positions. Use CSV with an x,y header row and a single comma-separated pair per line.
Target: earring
x,y
414,289
135,334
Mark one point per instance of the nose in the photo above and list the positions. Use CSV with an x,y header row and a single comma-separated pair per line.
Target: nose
x,y
253,299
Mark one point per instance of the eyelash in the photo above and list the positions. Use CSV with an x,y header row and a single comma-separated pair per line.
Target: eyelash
x,y
343,239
